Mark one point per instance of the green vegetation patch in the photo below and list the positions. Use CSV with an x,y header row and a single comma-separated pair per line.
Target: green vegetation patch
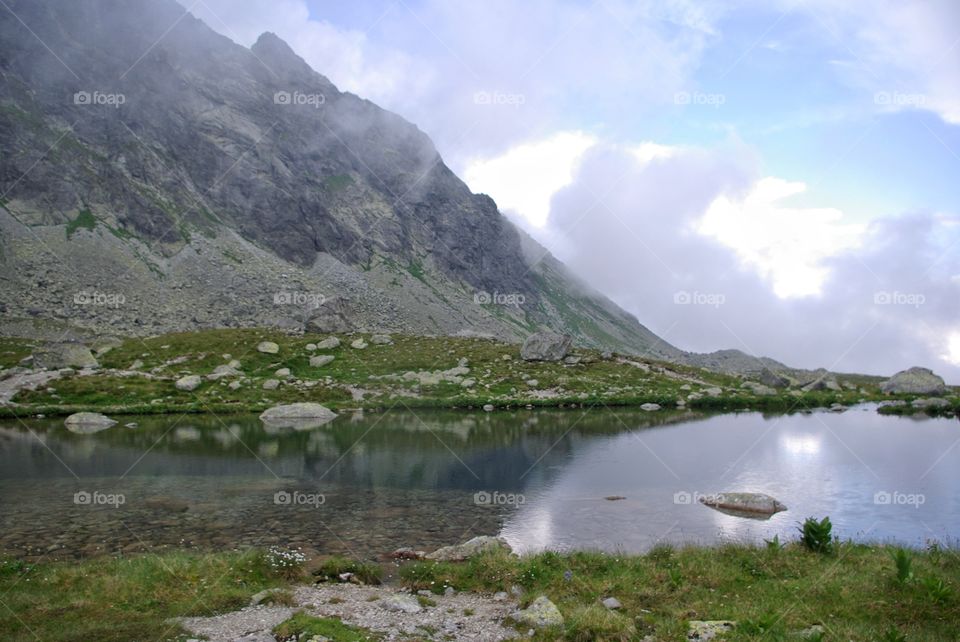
x,y
303,627
85,219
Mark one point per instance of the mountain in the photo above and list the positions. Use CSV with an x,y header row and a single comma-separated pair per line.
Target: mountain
x,y
157,177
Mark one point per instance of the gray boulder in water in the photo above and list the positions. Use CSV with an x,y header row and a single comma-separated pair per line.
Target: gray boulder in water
x,y
299,416
546,346
754,503
88,422
918,381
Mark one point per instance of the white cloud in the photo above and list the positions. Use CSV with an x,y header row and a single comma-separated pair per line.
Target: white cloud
x,y
785,244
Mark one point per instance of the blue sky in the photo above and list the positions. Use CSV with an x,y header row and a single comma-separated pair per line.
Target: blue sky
x,y
777,144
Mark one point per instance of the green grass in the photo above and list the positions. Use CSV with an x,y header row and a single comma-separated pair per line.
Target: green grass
x,y
375,372
330,570
124,599
85,219
854,593
332,628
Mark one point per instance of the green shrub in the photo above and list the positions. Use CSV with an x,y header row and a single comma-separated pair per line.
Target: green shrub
x,y
903,563
816,535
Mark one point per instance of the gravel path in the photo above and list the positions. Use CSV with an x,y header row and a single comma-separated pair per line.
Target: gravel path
x,y
362,606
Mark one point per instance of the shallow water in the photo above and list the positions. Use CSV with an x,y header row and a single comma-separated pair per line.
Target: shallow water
x,y
367,484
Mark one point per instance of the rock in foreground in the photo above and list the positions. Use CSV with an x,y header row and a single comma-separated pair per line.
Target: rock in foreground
x,y
88,422
475,546
546,346
917,381
541,614
756,503
64,355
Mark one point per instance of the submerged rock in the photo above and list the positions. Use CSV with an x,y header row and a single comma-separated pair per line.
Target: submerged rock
x,y
546,346
650,407
470,548
541,614
756,503
917,381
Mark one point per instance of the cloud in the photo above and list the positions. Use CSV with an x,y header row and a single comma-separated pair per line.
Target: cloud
x,y
888,297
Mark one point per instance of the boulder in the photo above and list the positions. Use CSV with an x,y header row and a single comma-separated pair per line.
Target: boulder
x,y
546,346
282,372
822,381
611,603
63,355
299,416
268,347
759,389
930,402
381,339
328,344
401,603
188,383
271,384
770,378
225,370
333,316
358,344
650,406
756,503
311,347
320,360
917,381
541,614
470,548
87,422
702,630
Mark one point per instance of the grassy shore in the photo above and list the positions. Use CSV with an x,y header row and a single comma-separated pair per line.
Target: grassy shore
x,y
772,592
374,377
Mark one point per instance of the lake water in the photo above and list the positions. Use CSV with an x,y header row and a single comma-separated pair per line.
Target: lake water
x,y
367,484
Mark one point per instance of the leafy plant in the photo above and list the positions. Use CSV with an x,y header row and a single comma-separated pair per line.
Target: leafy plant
x,y
774,544
816,535
937,590
903,563
676,577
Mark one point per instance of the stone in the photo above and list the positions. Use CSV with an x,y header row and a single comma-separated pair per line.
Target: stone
x,y
500,596
468,383
470,548
358,344
234,385
930,402
770,378
533,383
268,347
650,406
64,355
225,370
328,344
759,389
381,339
546,346
407,553
541,614
611,603
282,372
713,392
264,595
271,384
401,603
757,503
571,360
298,411
88,422
321,360
311,347
488,407
916,381
703,630
188,383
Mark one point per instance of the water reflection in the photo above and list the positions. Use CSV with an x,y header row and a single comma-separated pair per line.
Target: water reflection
x,y
405,479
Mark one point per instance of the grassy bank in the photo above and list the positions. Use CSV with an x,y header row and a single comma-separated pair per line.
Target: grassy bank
x,y
411,372
852,592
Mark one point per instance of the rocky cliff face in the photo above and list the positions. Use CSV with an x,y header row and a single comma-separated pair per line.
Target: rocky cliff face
x,y
157,176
